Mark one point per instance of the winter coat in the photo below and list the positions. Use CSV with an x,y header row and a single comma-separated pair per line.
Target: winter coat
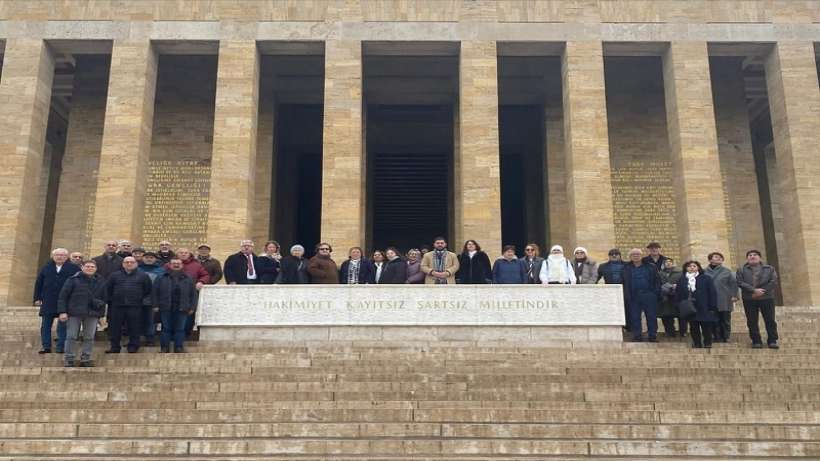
x,y
236,269
323,271
544,275
586,272
153,271
128,289
293,271
534,275
658,265
704,297
428,265
668,307
193,269
766,280
108,265
414,273
725,286
165,258
162,292
367,272
509,271
268,269
394,272
81,296
213,268
612,272
49,283
475,270
654,279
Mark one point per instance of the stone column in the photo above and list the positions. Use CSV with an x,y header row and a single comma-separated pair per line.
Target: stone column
x,y
478,197
25,96
690,116
233,162
265,187
586,142
343,171
794,101
556,190
119,203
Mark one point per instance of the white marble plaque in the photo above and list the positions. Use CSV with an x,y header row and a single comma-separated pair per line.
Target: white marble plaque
x,y
410,305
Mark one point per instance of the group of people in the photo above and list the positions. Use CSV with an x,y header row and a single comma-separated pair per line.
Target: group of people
x,y
137,289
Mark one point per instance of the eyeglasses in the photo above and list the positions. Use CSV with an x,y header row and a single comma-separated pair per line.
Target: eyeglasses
x,y
529,249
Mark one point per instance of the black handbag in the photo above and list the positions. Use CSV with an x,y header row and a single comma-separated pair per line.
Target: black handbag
x,y
687,309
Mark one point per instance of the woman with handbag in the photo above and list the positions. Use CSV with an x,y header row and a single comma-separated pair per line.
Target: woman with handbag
x,y
697,299
80,305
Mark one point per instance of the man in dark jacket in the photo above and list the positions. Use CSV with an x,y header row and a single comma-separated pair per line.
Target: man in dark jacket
x,y
240,268
612,272
212,265
655,257
80,306
174,295
47,288
757,282
395,269
108,262
642,289
126,292
165,253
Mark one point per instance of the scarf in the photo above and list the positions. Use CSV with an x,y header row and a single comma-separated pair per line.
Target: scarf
x,y
691,278
439,261
353,272
557,265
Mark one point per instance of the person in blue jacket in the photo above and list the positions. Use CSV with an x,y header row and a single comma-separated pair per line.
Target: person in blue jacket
x,y
50,281
508,269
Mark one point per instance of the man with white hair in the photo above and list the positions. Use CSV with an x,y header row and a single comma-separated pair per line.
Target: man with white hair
x,y
556,269
241,268
47,288
586,270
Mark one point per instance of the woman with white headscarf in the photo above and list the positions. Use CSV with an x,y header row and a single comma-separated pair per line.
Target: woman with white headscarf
x,y
556,269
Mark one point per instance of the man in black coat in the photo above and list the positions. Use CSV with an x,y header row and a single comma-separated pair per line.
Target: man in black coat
x,y
242,268
126,292
108,262
642,290
47,288
174,295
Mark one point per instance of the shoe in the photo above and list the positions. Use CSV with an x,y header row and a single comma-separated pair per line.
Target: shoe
x,y
683,335
59,351
697,346
149,343
179,350
774,345
653,340
133,350
86,363
112,351
165,349
69,364
44,351
757,346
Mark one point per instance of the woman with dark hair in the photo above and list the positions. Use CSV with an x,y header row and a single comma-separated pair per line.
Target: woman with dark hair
x,y
414,273
474,265
379,262
357,270
508,269
700,289
395,270
532,261
269,263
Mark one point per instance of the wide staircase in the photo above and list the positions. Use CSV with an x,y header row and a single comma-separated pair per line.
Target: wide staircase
x,y
397,401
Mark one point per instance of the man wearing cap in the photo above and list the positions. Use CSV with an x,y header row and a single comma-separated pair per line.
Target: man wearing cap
x,y
655,257
211,265
240,268
612,272
151,266
138,253
586,270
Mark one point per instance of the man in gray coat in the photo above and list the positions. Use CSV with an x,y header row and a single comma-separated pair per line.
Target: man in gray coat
x,y
757,282
726,288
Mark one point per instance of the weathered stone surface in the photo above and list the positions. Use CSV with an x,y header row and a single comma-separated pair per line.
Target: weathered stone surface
x,y
343,173
231,200
690,116
586,143
794,98
25,92
126,143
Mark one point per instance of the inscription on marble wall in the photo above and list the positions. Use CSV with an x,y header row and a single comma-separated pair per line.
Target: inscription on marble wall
x,y
176,202
643,198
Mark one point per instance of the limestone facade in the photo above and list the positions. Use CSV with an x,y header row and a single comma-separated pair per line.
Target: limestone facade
x,y
688,126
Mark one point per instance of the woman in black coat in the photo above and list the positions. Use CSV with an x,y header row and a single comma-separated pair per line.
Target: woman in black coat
x,y
701,289
395,270
366,270
474,265
293,268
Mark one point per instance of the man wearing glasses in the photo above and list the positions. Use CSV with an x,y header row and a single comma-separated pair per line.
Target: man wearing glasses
x,y
321,268
532,263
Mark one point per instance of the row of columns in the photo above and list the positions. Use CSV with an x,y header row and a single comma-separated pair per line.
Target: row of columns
x,y
25,91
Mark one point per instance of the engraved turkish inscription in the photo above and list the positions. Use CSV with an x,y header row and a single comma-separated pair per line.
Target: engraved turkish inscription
x,y
644,202
176,202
